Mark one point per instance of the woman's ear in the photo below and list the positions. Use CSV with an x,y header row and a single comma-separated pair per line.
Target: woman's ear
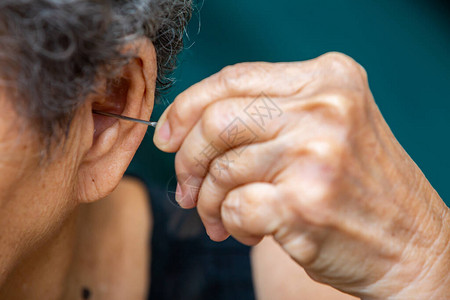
x,y
114,142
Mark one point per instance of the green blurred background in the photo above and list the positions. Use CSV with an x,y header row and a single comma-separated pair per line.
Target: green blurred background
x,y
403,45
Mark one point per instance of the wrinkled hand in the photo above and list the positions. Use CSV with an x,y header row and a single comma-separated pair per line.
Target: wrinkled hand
x,y
300,151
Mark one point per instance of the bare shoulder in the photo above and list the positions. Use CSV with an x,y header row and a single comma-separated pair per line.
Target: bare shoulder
x,y
277,276
113,251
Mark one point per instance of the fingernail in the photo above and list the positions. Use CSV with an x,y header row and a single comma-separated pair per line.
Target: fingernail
x,y
164,133
178,194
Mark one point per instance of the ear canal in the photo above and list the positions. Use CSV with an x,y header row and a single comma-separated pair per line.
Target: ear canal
x,y
114,101
116,94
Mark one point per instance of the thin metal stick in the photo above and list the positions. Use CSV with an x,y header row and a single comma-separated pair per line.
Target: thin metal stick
x,y
107,114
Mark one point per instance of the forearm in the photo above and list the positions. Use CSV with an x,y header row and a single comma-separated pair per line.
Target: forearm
x,y
277,276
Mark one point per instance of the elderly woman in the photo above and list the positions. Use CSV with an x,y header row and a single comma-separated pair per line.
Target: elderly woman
x,y
314,165
59,60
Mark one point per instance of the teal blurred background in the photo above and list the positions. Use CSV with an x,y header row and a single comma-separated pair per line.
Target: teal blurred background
x,y
403,45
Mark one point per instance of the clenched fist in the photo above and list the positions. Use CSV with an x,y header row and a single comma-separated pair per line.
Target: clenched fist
x,y
301,152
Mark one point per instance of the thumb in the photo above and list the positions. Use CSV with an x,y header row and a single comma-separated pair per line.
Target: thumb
x,y
252,211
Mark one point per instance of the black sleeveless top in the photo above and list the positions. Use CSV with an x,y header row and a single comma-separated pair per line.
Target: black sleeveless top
x,y
185,263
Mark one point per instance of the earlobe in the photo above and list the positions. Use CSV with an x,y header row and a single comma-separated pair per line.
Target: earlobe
x,y
114,142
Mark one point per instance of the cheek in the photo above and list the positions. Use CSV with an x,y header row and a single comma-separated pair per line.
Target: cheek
x,y
16,164
45,191
18,156
34,197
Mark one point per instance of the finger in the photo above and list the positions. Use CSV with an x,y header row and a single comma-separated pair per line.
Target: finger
x,y
208,140
250,80
241,80
252,211
257,163
262,162
223,126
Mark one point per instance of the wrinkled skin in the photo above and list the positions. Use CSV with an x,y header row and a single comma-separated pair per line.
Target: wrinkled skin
x,y
320,171
53,239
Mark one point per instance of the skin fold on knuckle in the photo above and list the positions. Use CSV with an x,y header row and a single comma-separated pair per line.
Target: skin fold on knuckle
x,y
303,249
331,109
330,106
230,170
234,77
230,77
346,117
339,60
231,213
344,102
223,172
216,118
310,184
298,240
178,114
343,70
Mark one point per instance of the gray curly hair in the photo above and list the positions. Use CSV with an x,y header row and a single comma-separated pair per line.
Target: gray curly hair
x,y
52,51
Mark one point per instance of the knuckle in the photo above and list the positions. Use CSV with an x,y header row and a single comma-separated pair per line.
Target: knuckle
x,y
327,149
230,75
339,108
343,64
225,171
214,119
186,170
220,171
233,76
315,206
338,56
232,210
178,111
339,59
343,102
239,205
314,196
236,70
322,149
302,246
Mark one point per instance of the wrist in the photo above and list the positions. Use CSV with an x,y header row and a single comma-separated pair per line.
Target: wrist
x,y
423,272
432,281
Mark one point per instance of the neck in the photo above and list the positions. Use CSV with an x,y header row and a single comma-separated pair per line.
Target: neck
x,y
42,272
